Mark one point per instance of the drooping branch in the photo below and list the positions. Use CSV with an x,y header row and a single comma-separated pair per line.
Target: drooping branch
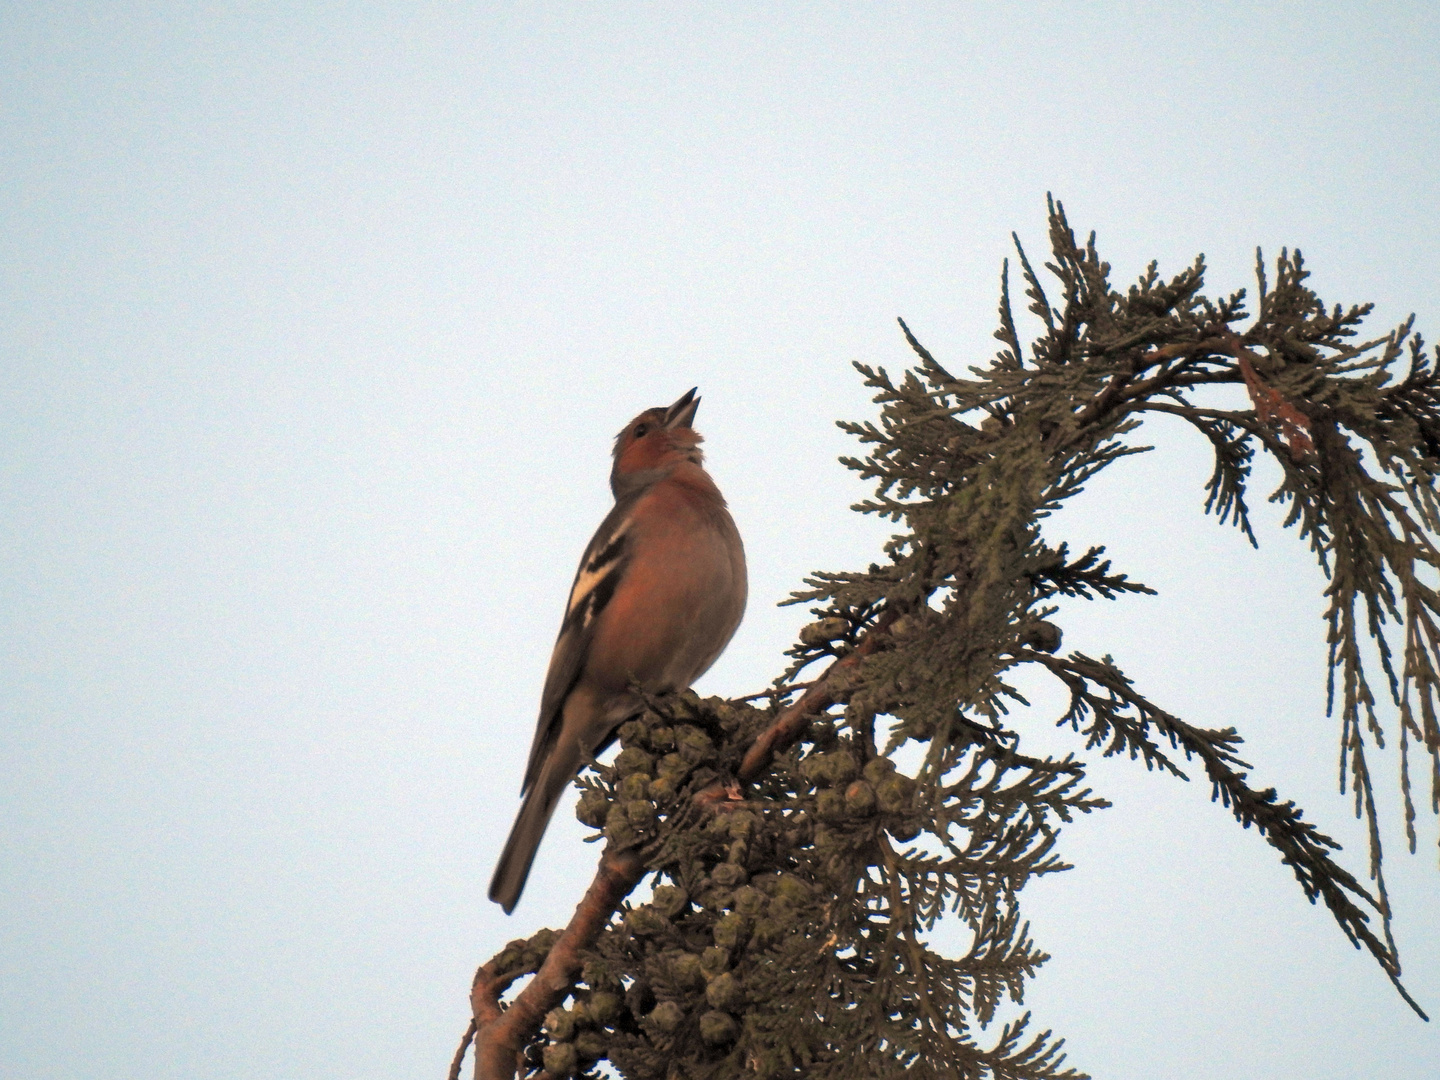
x,y
1123,721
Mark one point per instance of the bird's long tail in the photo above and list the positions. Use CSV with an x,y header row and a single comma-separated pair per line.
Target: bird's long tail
x,y
527,832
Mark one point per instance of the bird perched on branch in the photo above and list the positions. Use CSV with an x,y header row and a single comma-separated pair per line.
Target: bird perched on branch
x,y
660,591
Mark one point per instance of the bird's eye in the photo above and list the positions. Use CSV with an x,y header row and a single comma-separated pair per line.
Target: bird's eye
x,y
640,430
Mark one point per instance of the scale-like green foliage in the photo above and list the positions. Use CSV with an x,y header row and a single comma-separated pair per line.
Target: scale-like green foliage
x,y
788,933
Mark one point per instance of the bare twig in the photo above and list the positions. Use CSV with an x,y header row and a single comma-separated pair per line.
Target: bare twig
x,y
460,1053
776,692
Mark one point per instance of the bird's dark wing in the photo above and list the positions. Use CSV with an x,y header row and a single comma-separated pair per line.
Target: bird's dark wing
x,y
601,568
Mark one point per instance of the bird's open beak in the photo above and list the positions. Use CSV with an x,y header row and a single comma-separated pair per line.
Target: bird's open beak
x,y
682,413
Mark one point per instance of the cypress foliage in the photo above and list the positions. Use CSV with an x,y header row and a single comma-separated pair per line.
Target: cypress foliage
x,y
788,933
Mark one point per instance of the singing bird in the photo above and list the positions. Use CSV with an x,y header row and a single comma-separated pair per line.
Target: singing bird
x,y
660,591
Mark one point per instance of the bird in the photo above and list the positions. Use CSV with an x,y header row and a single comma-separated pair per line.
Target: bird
x,y
659,593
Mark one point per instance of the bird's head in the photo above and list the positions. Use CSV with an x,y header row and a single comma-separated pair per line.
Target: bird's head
x,y
655,440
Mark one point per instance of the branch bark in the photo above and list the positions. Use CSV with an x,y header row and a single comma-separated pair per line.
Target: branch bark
x,y
501,1033
791,724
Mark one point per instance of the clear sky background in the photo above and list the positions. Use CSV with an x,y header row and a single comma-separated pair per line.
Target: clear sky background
x,y
316,322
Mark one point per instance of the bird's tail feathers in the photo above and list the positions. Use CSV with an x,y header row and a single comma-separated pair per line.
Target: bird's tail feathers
x,y
526,834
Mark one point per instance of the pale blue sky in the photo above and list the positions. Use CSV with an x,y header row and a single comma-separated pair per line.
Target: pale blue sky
x,y
315,325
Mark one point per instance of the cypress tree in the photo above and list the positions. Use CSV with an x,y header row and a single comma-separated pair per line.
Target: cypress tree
x,y
796,872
